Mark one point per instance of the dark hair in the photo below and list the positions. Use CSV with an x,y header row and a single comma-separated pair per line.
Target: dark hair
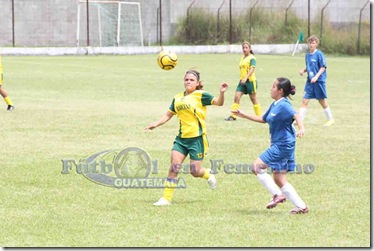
x,y
197,75
288,88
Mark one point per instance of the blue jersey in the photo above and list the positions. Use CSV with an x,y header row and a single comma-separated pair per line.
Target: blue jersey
x,y
279,116
314,62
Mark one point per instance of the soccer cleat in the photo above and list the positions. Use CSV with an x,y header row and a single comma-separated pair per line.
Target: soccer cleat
x,y
298,210
162,202
230,118
275,201
10,108
329,122
212,182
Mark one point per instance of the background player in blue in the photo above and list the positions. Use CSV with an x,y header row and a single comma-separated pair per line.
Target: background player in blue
x,y
280,156
315,87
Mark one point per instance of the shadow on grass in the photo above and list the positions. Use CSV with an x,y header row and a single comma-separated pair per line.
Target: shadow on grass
x,y
261,212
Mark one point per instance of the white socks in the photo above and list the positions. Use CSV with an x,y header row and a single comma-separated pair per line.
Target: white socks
x,y
302,113
328,113
291,194
269,183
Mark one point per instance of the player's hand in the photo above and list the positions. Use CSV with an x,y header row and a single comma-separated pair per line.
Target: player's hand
x,y
238,113
242,81
224,87
314,79
300,133
150,127
301,72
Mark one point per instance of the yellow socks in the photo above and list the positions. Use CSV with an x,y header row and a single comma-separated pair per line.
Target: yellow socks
x,y
8,101
257,108
234,107
170,185
206,174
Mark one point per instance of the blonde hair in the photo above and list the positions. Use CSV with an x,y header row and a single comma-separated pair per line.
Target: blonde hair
x,y
313,38
197,75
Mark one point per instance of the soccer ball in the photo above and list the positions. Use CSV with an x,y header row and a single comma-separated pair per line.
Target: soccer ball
x,y
167,60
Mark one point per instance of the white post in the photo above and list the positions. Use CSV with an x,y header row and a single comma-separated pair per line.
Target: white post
x,y
140,24
294,49
78,22
99,17
119,23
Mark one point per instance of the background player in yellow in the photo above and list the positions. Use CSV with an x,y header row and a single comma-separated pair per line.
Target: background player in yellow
x,y
248,81
190,107
3,92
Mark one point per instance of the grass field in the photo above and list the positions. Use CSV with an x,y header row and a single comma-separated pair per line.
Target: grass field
x,y
73,107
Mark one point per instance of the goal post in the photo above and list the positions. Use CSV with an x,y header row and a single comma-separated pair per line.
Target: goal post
x,y
111,23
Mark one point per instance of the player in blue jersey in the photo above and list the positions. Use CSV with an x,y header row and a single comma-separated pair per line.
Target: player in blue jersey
x,y
280,156
315,87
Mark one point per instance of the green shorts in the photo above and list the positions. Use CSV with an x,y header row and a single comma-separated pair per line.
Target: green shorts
x,y
196,147
249,87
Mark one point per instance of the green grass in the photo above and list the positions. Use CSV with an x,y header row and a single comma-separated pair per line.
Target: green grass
x,y
72,107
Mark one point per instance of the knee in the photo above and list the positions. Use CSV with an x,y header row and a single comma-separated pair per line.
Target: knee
x,y
195,170
258,168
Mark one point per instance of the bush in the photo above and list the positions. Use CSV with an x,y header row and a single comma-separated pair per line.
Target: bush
x,y
270,27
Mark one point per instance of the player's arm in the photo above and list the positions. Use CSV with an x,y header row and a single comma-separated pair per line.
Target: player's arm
x,y
221,99
300,125
251,70
254,118
165,118
319,73
302,71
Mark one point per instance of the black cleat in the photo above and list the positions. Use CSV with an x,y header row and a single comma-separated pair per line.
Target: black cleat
x,y
230,118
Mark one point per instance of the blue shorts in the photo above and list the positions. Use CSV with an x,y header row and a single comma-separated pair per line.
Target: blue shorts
x,y
280,157
315,90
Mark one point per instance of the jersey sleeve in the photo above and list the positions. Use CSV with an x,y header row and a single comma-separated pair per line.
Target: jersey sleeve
x,y
287,111
207,98
322,60
171,107
253,62
266,114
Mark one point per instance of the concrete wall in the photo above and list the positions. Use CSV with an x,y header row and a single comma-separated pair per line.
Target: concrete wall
x,y
54,22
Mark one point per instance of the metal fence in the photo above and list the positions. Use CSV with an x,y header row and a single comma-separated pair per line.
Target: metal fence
x,y
54,23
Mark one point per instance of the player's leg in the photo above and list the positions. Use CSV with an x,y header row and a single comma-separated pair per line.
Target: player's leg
x,y
3,92
197,151
321,95
260,170
7,99
303,108
240,90
235,106
252,90
171,182
289,191
326,109
308,94
256,104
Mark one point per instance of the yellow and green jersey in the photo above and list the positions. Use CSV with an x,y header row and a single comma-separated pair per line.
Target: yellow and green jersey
x,y
246,62
191,111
